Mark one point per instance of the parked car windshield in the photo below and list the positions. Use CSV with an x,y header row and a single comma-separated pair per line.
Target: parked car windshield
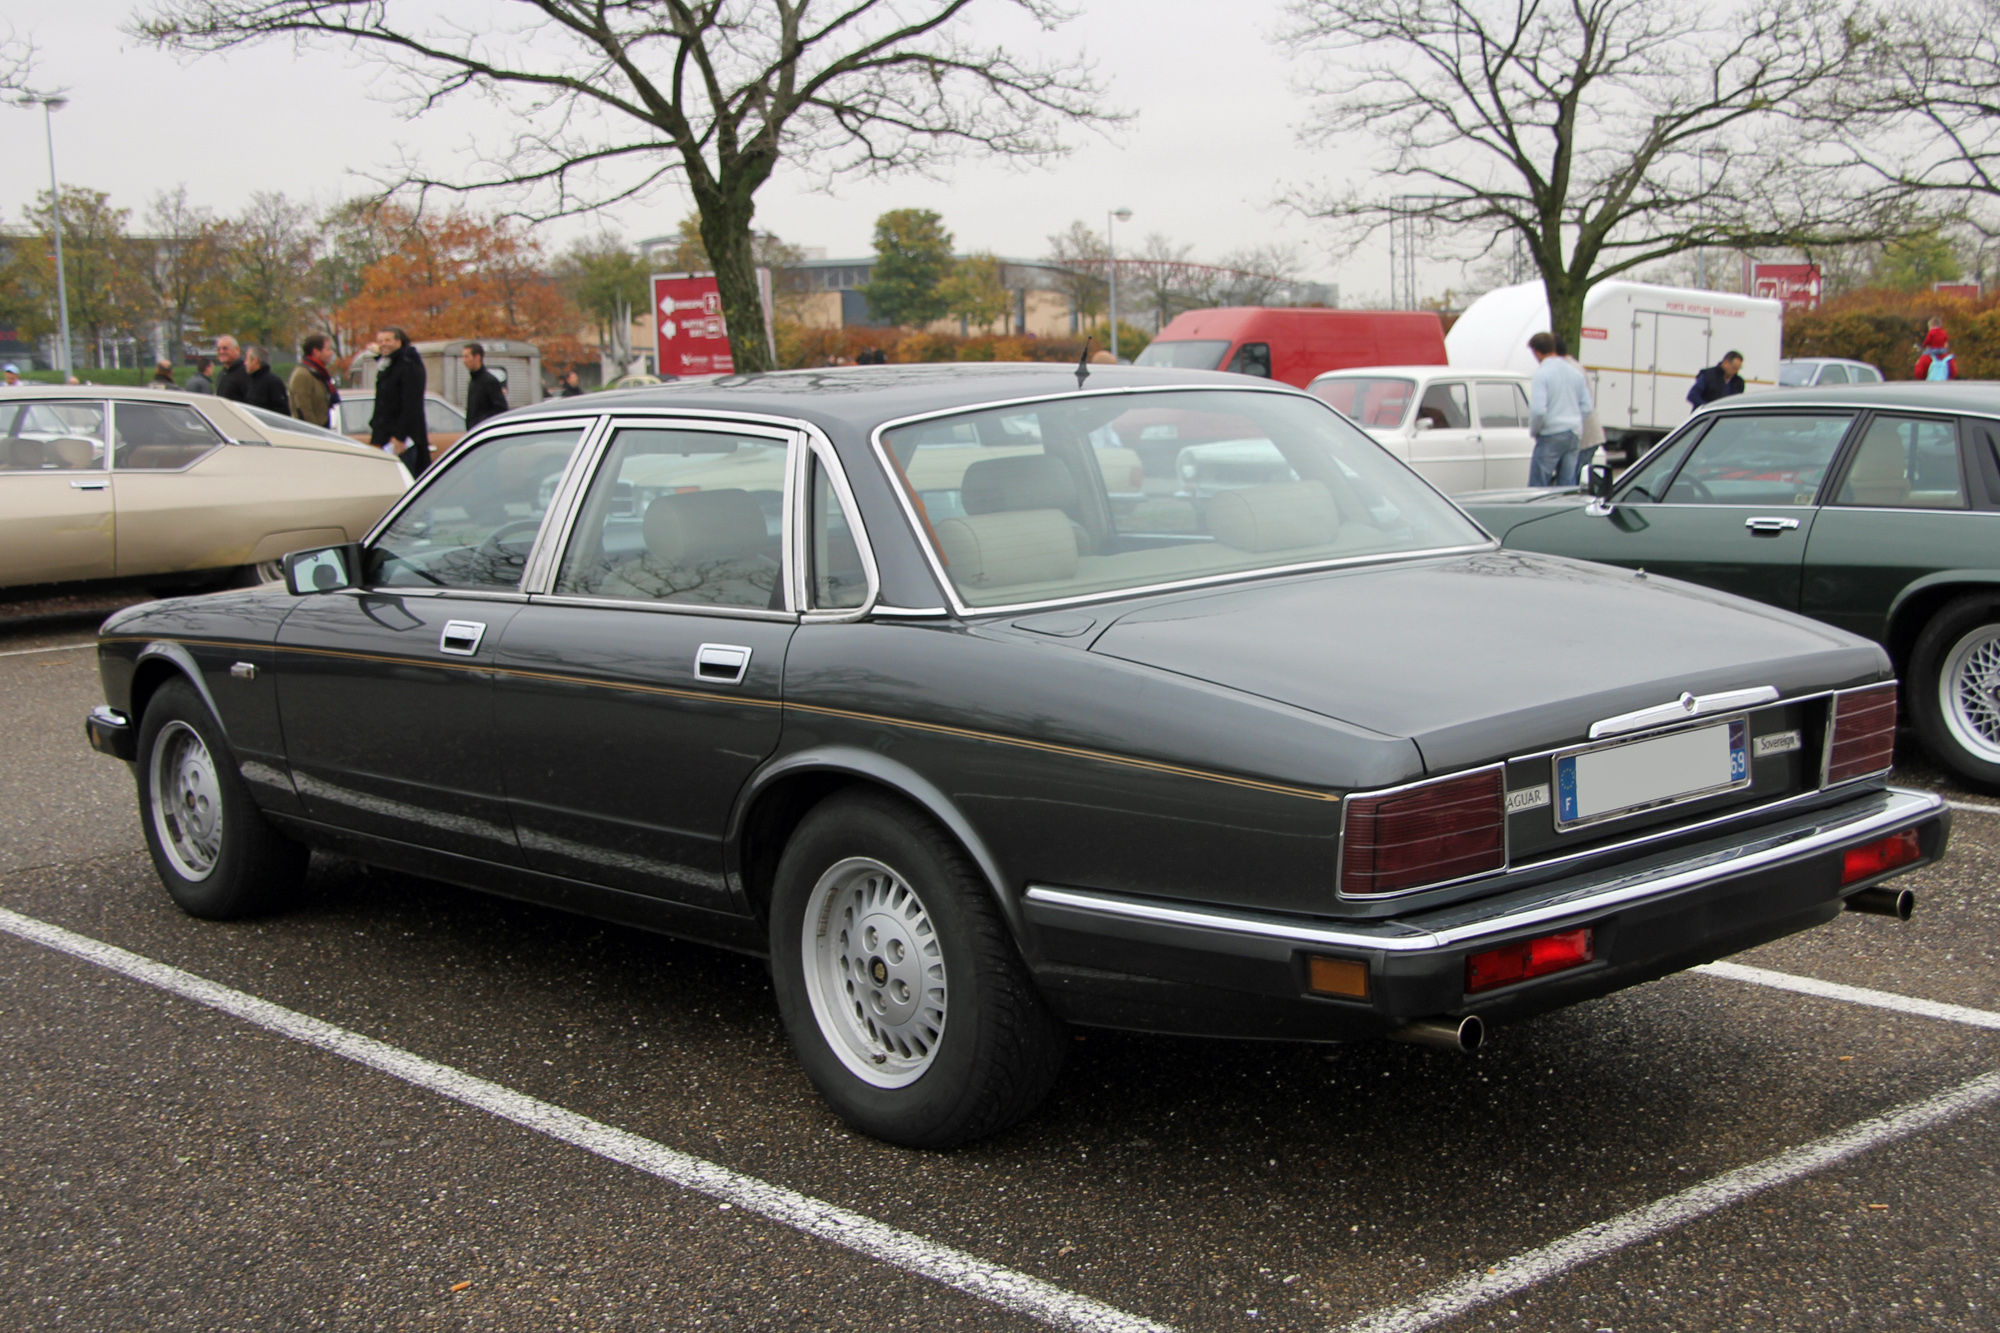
x,y
1097,493
1367,400
1791,374
1184,354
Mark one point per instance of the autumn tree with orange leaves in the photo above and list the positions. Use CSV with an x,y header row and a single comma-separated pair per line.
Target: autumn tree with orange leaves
x,y
458,275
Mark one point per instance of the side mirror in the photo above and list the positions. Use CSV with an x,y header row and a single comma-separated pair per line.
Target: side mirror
x,y
1425,423
1597,481
323,569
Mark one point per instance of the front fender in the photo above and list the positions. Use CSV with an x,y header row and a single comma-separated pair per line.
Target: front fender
x,y
164,650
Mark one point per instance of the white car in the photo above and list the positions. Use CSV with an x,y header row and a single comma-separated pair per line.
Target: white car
x,y
1804,371
1462,430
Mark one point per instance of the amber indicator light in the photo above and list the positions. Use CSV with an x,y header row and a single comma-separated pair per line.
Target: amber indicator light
x,y
1869,859
1337,976
1529,958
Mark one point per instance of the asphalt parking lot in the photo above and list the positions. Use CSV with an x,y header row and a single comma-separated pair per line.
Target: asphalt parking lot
x,y
405,1105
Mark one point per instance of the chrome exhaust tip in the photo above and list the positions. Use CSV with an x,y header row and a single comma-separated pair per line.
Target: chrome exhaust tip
x,y
1899,903
1464,1035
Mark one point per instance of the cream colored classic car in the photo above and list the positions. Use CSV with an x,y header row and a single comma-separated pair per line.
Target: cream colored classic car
x,y
100,483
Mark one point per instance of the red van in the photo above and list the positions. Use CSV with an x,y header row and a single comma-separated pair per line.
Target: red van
x,y
1294,345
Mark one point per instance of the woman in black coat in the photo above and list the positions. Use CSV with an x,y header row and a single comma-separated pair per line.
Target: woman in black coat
x,y
399,401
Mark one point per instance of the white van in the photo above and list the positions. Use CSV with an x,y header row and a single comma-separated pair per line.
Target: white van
x,y
1642,347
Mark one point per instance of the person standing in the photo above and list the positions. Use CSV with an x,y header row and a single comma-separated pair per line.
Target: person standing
x,y
1591,438
163,375
1558,401
570,387
261,385
397,426
485,395
13,374
314,395
1717,381
1937,364
231,379
199,382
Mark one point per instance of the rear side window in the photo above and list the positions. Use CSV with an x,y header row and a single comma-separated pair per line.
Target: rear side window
x,y
53,437
1444,406
1833,374
838,578
1905,463
1502,405
1367,401
160,437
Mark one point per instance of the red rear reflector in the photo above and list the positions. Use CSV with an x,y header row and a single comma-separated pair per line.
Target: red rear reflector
x,y
1427,834
1530,958
1863,741
1898,849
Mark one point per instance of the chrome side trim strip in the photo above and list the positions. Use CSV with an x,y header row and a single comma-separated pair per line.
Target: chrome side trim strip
x,y
1687,706
1899,808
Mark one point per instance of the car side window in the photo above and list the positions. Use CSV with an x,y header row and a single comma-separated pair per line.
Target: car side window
x,y
1502,405
473,525
58,436
442,417
1444,406
686,516
1750,458
838,579
160,437
1833,373
1906,463
1252,359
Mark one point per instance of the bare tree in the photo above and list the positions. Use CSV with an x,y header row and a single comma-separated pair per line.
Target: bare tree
x,y
1084,261
17,65
1605,135
619,95
186,265
1933,73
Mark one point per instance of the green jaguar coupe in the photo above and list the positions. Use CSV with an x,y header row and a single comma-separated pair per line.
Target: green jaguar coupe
x,y
1875,508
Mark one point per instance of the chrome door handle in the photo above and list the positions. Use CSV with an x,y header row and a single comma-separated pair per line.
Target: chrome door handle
x,y
461,637
721,663
1770,527
88,485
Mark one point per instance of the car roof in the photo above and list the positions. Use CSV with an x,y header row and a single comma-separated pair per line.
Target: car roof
x,y
1980,397
1822,361
862,397
1359,372
37,390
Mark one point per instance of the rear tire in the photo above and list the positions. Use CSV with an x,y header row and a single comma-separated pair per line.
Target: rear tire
x,y
215,854
1954,688
899,985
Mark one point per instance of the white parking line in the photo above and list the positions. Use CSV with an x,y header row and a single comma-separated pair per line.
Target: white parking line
x,y
1605,1238
1833,990
1975,809
913,1254
59,648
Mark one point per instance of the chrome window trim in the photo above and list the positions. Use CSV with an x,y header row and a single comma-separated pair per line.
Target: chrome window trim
x,y
574,488
818,446
554,536
469,594
1391,936
670,608
892,474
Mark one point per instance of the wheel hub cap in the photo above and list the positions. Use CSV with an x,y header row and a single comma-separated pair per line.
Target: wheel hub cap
x,y
1970,692
187,801
876,972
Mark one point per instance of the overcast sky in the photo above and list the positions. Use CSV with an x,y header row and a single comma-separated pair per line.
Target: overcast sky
x,y
1213,145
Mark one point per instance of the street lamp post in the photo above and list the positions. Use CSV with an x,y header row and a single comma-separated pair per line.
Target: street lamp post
x,y
50,105
1111,245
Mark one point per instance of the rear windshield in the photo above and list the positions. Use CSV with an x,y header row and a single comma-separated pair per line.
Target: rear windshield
x,y
1099,493
1368,401
1184,354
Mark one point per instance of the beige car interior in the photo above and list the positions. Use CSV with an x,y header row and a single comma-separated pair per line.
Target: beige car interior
x,y
702,546
24,454
1889,473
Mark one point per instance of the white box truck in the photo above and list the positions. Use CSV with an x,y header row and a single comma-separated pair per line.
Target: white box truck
x,y
1642,347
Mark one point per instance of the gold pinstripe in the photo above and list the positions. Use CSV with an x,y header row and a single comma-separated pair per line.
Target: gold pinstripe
x,y
932,728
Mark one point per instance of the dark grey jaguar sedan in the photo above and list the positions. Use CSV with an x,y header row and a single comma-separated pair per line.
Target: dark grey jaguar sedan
x,y
936,687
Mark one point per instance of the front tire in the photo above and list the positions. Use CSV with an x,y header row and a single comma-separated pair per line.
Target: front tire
x,y
214,853
899,985
1954,688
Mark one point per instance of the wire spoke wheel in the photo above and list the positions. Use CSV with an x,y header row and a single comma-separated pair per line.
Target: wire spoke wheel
x,y
1969,684
875,972
186,800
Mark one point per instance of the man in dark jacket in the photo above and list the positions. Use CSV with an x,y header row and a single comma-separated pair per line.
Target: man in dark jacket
x,y
485,395
199,382
231,379
1717,381
397,426
570,388
261,385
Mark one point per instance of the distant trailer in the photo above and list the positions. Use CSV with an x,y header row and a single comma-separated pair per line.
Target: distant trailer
x,y
518,364
1642,346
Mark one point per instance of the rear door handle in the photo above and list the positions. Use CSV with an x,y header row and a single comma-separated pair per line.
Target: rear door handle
x,y
721,663
461,637
1770,527
88,485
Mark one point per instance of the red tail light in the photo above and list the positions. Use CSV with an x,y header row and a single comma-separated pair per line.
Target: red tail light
x,y
1898,849
1862,742
1529,958
1426,834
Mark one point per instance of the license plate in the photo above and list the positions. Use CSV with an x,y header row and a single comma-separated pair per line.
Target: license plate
x,y
1606,781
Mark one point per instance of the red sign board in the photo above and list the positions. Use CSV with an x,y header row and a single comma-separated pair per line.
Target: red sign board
x,y
1596,333
688,332
1797,285
1969,290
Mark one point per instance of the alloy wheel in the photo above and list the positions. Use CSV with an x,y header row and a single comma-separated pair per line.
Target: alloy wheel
x,y
875,972
186,800
1969,686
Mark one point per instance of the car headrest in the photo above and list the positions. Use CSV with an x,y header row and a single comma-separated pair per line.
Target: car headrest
x,y
1019,546
1274,518
700,526
71,453
1024,481
1881,459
